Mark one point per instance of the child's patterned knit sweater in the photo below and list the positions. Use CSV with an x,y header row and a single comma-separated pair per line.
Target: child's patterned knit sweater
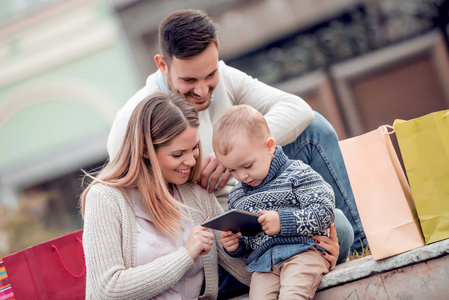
x,y
304,201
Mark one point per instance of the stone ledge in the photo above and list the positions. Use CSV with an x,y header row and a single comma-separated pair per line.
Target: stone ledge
x,y
367,266
342,282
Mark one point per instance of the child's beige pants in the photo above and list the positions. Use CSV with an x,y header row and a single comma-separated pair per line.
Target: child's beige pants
x,y
296,278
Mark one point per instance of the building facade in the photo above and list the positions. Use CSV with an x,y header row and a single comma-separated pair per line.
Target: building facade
x,y
64,74
67,66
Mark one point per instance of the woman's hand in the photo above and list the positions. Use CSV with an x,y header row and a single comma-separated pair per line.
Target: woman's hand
x,y
330,244
200,241
230,240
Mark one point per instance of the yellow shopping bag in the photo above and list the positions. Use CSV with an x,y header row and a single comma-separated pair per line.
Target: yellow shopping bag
x,y
424,145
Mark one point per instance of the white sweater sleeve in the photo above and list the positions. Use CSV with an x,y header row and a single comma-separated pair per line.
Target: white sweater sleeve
x,y
109,251
118,129
287,115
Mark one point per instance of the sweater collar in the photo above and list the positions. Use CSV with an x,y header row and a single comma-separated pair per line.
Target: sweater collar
x,y
276,165
161,81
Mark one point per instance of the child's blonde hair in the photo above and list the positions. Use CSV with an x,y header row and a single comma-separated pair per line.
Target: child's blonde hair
x,y
239,121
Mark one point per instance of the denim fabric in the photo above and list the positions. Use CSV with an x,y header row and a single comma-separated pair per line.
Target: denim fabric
x,y
229,286
277,255
344,230
318,147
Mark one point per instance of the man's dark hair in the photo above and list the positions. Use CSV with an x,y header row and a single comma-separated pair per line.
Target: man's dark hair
x,y
186,33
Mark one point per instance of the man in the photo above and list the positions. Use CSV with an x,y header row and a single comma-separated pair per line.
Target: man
x,y
189,65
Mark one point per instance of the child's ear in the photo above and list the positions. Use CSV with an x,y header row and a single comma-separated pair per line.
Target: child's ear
x,y
271,145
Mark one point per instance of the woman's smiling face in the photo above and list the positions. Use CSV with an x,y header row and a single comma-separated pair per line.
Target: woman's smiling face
x,y
179,157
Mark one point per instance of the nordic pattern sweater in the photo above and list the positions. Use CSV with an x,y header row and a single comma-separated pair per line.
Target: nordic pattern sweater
x,y
304,201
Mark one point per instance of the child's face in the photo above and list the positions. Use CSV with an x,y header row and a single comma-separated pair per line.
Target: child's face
x,y
250,159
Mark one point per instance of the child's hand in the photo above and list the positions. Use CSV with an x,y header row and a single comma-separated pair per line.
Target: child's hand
x,y
230,241
270,221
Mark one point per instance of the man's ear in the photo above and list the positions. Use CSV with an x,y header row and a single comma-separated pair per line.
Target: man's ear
x,y
160,62
271,145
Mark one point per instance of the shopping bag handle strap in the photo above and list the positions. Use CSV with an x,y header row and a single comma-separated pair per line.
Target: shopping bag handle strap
x,y
62,263
385,129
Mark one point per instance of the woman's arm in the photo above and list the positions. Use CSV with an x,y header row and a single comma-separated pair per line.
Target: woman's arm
x,y
109,246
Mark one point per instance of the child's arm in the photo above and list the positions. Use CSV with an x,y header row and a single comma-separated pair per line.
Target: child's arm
x,y
230,240
270,221
315,212
234,244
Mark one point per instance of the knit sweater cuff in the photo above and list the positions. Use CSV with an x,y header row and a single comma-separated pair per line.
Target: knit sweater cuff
x,y
288,223
182,258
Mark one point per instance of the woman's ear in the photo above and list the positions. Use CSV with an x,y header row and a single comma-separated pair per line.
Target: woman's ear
x,y
271,145
145,152
160,62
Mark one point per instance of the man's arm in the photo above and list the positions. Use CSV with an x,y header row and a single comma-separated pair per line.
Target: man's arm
x,y
118,130
287,115
117,134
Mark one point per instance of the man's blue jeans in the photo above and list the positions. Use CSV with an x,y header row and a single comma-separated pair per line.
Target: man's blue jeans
x,y
345,235
318,147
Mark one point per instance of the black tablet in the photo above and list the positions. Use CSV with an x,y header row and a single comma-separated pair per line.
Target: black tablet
x,y
237,221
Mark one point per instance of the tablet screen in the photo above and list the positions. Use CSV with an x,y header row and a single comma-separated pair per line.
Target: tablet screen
x,y
237,221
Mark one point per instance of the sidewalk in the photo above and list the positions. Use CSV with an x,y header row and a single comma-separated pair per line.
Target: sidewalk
x,y
422,273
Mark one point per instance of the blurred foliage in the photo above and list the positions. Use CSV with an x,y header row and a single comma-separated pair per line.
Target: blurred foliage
x,y
39,217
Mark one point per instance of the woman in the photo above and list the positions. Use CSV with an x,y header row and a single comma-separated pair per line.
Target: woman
x,y
141,212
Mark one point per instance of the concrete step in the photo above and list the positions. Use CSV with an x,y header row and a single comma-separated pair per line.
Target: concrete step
x,y
422,273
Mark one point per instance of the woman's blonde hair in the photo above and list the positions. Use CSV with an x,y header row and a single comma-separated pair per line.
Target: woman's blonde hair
x,y
154,123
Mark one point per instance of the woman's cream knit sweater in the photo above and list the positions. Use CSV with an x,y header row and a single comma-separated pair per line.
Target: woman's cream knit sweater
x,y
110,242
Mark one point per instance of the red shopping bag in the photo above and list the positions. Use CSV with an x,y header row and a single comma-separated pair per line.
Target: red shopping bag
x,y
51,270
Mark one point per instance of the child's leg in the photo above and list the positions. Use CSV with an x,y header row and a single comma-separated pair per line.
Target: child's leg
x,y
301,275
264,285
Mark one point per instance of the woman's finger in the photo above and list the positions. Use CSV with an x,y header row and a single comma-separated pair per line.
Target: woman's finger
x,y
333,233
323,243
332,259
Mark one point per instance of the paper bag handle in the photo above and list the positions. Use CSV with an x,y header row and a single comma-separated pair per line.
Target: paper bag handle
x,y
62,263
385,129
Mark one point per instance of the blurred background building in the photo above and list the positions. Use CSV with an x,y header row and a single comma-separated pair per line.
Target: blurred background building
x,y
67,66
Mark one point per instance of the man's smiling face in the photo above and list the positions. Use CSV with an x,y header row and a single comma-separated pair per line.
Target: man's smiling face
x,y
194,78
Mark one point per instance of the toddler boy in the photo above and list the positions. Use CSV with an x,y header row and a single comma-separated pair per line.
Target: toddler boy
x,y
294,201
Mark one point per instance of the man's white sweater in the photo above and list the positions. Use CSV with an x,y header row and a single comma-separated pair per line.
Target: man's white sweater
x,y
287,115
